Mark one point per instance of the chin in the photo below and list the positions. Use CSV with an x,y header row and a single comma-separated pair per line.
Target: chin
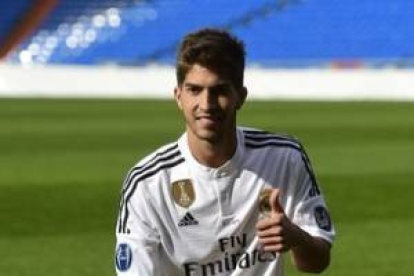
x,y
209,135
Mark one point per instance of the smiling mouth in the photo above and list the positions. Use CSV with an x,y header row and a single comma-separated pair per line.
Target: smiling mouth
x,y
209,119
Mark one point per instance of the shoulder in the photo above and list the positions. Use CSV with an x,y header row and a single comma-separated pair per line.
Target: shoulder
x,y
164,158
276,148
279,150
162,155
262,139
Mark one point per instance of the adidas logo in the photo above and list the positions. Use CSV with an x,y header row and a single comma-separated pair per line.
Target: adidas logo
x,y
187,220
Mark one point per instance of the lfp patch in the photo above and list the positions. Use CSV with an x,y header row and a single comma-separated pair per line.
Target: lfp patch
x,y
123,257
322,218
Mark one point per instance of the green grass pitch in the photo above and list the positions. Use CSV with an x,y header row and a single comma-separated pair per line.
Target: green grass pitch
x,y
62,163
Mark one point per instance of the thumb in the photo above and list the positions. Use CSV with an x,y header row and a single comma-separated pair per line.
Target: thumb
x,y
274,201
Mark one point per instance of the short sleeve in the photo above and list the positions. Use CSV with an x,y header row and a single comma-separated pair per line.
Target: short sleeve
x,y
310,211
137,240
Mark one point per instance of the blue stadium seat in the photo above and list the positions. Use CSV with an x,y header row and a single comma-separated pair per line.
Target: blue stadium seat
x,y
9,14
276,32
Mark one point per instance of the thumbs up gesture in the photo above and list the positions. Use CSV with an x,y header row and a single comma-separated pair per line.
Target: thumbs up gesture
x,y
276,232
274,202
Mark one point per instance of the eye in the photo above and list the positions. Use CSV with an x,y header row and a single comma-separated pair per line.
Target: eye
x,y
193,89
222,89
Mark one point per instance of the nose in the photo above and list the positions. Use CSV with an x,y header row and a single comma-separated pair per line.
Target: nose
x,y
208,100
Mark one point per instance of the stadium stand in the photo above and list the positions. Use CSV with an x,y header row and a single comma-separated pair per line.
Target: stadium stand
x,y
373,32
296,42
277,32
9,15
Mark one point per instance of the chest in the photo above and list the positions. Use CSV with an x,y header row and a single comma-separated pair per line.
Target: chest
x,y
205,219
218,217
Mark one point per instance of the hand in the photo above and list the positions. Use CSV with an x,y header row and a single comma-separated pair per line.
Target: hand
x,y
276,233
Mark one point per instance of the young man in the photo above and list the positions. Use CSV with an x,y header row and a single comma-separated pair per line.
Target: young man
x,y
222,200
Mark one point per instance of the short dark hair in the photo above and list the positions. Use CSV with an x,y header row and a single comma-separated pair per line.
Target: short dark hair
x,y
215,49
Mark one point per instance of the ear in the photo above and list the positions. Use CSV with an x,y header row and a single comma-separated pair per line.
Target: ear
x,y
177,96
242,97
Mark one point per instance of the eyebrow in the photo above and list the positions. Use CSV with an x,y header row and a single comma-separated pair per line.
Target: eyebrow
x,y
189,84
217,86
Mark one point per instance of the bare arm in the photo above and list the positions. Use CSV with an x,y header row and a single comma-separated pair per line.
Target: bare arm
x,y
311,254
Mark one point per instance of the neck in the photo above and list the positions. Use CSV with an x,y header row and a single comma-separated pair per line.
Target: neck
x,y
212,153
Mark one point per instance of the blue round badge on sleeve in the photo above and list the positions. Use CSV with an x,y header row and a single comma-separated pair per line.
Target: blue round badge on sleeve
x,y
322,218
123,257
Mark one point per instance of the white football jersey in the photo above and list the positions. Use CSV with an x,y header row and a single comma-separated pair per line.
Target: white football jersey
x,y
179,217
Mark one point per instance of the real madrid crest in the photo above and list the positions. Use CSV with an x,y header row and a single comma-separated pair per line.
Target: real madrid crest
x,y
183,192
264,203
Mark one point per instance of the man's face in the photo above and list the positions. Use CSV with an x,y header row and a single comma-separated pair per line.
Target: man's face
x,y
209,103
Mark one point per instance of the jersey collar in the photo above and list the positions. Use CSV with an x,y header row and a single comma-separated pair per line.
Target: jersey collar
x,y
228,169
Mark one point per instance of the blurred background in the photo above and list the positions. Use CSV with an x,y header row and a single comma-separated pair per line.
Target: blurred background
x,y
86,91
95,47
